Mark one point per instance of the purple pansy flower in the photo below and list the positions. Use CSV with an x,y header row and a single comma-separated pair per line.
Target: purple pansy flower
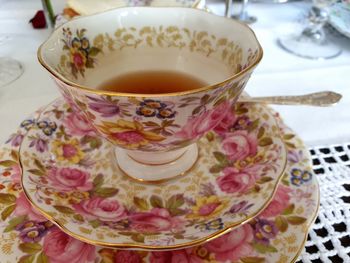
x,y
31,231
146,111
264,231
166,113
27,124
154,104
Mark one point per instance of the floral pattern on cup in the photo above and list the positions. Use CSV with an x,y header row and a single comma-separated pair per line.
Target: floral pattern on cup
x,y
151,124
76,181
81,53
35,239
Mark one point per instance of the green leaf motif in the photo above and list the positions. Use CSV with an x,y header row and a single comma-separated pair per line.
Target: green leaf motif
x,y
141,203
98,181
7,211
30,248
177,211
39,165
64,209
95,223
217,168
7,198
42,258
197,110
241,111
79,218
138,238
8,163
265,141
27,259
95,143
36,172
264,179
281,223
220,157
261,248
205,99
290,145
296,220
210,136
178,236
94,51
14,222
288,136
289,210
175,202
106,192
252,260
261,132
219,101
156,201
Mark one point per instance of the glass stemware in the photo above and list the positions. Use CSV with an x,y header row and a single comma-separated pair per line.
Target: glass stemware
x,y
10,69
312,42
243,14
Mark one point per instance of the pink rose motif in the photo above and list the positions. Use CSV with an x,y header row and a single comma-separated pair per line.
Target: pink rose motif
x,y
127,256
227,122
206,121
155,221
61,248
77,124
232,246
176,256
23,207
104,209
69,179
279,203
16,174
69,151
235,181
240,145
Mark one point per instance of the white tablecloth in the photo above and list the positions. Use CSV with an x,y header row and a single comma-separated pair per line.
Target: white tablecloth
x,y
279,73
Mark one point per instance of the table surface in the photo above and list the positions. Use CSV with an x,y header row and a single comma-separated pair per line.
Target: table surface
x,y
279,73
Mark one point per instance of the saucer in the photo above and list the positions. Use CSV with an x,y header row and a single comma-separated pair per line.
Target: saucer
x,y
70,175
277,235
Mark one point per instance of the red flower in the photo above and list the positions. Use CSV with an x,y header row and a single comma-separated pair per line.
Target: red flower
x,y
38,21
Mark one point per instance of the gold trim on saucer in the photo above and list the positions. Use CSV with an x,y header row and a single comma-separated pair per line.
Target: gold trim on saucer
x,y
152,247
133,95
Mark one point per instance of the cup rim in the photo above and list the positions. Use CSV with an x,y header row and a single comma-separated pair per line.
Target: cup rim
x,y
156,95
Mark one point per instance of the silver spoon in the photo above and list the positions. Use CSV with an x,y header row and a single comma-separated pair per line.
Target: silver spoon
x,y
321,99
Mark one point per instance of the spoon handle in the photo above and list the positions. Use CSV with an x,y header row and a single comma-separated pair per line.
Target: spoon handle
x,y
321,99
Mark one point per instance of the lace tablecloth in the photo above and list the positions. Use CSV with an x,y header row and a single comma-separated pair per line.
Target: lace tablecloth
x,y
329,238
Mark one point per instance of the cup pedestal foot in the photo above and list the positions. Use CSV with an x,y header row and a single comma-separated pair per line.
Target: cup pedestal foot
x,y
156,167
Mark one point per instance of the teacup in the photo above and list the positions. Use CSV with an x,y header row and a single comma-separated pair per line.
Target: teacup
x,y
155,134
